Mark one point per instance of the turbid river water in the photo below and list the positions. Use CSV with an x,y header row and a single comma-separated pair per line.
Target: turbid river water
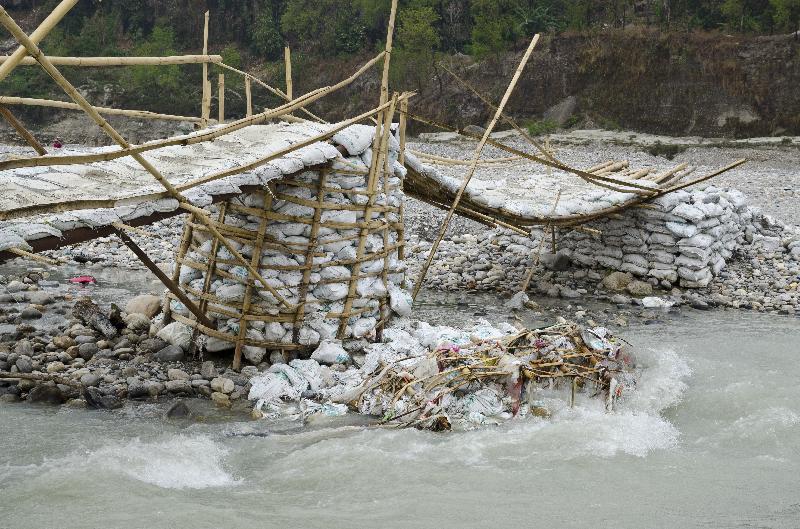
x,y
711,439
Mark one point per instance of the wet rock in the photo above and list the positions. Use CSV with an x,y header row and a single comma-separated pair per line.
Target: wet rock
x,y
97,400
221,399
16,286
145,304
47,393
179,410
558,261
39,298
138,390
87,350
170,353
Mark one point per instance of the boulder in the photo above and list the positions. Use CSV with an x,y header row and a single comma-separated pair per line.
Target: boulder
x,y
46,394
87,350
208,370
138,323
177,374
145,304
97,400
639,288
561,111
176,333
170,353
222,385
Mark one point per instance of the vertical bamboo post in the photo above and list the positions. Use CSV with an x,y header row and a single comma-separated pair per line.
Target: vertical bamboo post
x,y
287,59
248,95
473,164
401,251
183,247
205,106
221,98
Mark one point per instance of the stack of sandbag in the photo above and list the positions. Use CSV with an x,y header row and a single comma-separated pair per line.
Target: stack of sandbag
x,y
681,238
321,242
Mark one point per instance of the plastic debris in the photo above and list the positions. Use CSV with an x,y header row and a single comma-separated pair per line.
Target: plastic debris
x,y
83,280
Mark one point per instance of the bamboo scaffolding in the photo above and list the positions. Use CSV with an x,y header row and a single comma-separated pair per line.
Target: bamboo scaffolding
x,y
287,59
256,119
248,94
22,131
99,62
473,166
205,103
36,37
35,52
51,103
221,99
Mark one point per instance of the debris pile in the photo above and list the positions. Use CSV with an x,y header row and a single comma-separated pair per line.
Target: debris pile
x,y
440,378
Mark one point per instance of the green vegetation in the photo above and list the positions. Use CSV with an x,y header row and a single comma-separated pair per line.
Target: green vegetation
x,y
255,32
539,128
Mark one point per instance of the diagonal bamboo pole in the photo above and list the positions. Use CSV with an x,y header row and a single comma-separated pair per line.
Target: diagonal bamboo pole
x,y
52,103
473,166
39,33
197,138
34,51
22,131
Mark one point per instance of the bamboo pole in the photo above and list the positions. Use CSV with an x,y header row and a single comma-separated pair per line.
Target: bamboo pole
x,y
96,62
403,127
22,131
221,98
36,37
248,96
197,138
287,59
475,158
35,52
205,104
50,103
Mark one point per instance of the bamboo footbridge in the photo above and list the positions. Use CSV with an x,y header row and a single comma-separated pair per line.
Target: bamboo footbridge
x,y
71,195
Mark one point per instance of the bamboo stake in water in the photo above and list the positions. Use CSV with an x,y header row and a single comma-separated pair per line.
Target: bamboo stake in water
x,y
475,158
22,131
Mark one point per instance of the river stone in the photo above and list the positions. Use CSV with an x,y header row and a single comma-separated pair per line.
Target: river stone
x,y
138,323
24,364
15,286
138,390
177,374
56,367
63,342
23,347
151,345
617,281
90,379
222,385
170,353
85,338
46,394
208,370
639,288
87,350
221,399
97,400
178,386
145,304
40,298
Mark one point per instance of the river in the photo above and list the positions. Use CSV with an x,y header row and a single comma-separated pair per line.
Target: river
x,y
709,440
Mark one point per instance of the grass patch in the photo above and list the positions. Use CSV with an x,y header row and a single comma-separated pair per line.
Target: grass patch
x,y
539,128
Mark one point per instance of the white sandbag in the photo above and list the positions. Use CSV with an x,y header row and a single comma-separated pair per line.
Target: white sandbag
x,y
330,352
176,333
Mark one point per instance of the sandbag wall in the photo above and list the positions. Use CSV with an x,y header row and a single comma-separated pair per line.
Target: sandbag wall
x,y
321,239
681,238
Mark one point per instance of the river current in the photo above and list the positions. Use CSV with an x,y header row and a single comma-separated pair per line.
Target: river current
x,y
710,439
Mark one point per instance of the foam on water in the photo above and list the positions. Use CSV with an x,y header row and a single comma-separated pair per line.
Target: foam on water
x,y
172,462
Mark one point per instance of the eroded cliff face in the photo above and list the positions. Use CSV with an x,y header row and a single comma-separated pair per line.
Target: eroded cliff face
x,y
705,85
